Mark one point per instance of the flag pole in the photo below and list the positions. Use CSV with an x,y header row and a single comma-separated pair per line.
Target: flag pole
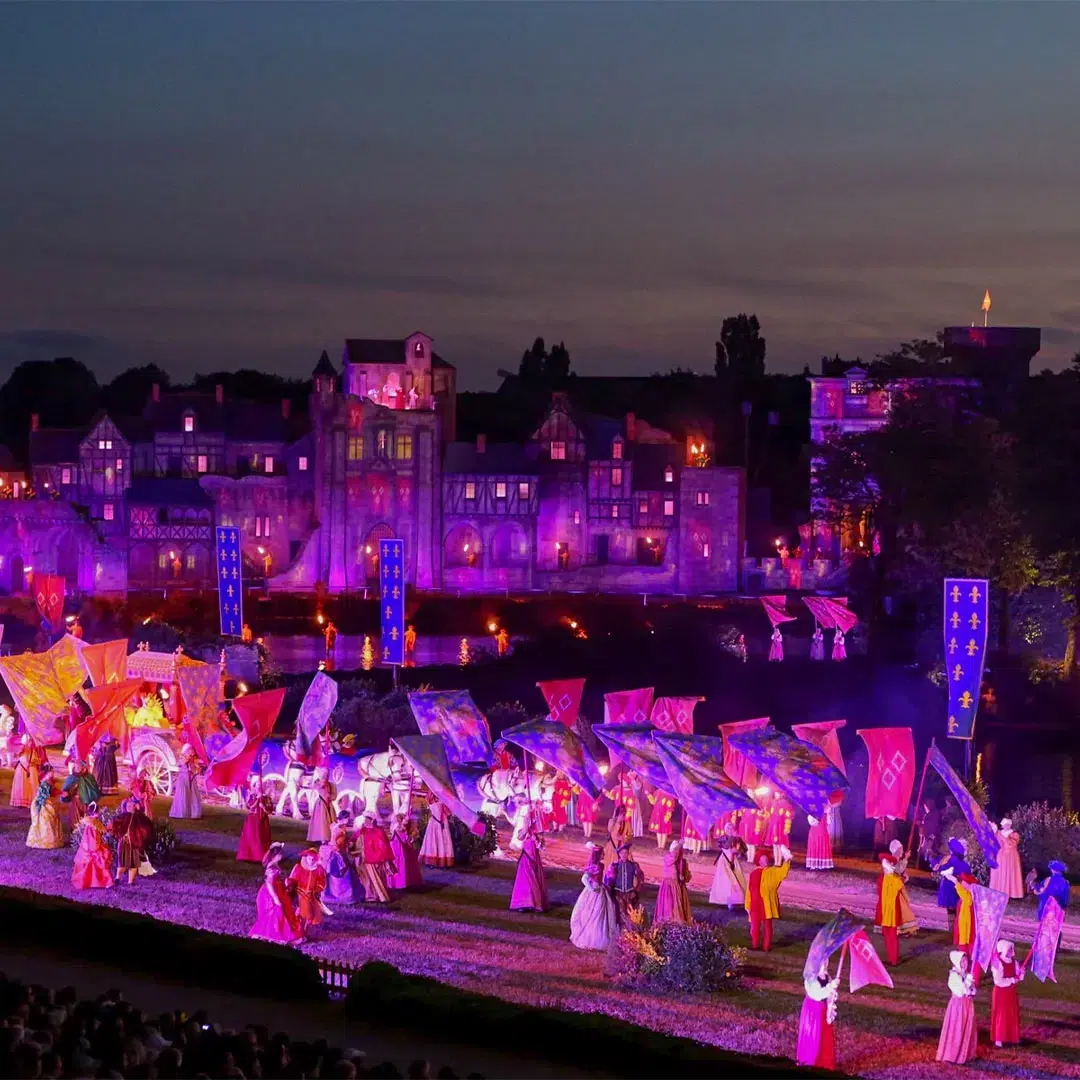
x,y
918,800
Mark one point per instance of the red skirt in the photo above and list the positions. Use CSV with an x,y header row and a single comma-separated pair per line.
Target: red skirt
x,y
1005,1015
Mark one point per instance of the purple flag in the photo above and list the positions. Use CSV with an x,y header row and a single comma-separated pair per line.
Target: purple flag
x,y
1040,961
633,745
972,811
561,748
989,908
315,710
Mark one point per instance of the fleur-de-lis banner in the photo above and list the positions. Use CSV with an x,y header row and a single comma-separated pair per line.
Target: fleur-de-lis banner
x,y
967,617
230,583
392,601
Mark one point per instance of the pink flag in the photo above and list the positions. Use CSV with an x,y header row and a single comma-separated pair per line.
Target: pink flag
x,y
735,763
675,714
819,608
776,609
891,773
563,697
628,706
866,966
107,704
823,735
1040,961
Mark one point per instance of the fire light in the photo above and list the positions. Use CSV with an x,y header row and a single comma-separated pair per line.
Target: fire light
x,y
146,621
164,694
603,768
492,627
761,791
573,624
778,541
69,618
261,550
28,569
242,687
172,554
319,618
367,549
465,548
539,766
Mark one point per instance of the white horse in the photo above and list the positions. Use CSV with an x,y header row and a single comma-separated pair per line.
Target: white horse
x,y
388,772
505,792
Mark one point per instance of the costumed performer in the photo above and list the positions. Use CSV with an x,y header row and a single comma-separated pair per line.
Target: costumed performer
x,y
673,899
751,829
321,806
729,881
406,873
586,812
530,888
1056,886
143,790
290,793
92,868
275,916
255,835
618,827
343,885
817,1032
187,803
888,916
958,1042
956,861
663,810
560,803
964,923
776,645
46,829
307,882
105,773
24,784
819,843
691,838
133,831
593,922
817,644
1008,875
763,897
79,791
8,725
624,878
375,860
438,846
1005,1000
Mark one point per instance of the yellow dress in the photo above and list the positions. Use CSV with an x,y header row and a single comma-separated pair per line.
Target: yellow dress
x,y
46,828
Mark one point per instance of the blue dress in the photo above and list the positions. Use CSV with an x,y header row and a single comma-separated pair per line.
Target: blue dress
x,y
1056,886
186,802
343,885
946,894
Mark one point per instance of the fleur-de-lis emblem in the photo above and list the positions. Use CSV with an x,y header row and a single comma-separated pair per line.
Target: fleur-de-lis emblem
x,y
976,596
955,594
966,700
971,648
974,621
954,620
952,646
957,673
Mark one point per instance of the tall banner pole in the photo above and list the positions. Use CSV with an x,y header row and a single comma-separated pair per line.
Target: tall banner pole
x,y
918,801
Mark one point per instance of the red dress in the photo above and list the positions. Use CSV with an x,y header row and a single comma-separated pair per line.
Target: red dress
x,y
586,807
255,835
309,886
1005,1007
93,860
663,811
752,827
560,801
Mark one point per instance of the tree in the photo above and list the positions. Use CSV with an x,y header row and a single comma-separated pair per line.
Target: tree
x,y
917,358
742,350
557,368
128,393
533,361
63,392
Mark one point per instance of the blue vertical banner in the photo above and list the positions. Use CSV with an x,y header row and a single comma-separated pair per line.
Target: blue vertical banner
x,y
229,580
392,600
967,623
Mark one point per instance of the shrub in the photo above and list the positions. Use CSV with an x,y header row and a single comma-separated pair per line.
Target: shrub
x,y
162,843
470,848
690,957
1047,832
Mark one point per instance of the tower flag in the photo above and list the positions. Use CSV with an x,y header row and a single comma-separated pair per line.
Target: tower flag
x,y
986,307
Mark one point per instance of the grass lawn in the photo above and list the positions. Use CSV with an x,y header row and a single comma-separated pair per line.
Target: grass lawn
x,y
460,931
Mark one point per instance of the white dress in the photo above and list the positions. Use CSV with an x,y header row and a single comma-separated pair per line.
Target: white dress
x,y
438,846
592,922
729,882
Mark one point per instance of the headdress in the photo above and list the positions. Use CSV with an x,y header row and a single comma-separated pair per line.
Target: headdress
x,y
343,815
675,845
956,958
896,848
1057,867
1003,947
957,846
1006,824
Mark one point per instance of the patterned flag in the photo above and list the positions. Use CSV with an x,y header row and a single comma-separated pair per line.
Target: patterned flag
x,y
776,610
842,618
200,691
453,715
319,702
800,770
967,620
838,930
563,697
257,714
972,811
1040,961
989,908
392,601
890,777
107,704
560,748
427,755
866,966
735,765
633,745
105,662
628,706
695,768
41,683
49,592
230,566
823,735
675,714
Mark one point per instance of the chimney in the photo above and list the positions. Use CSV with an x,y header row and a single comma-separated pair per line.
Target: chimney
x,y
631,427
155,392
481,444
35,421
219,394
286,406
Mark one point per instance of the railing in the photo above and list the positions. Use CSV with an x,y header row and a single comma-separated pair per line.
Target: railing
x,y
337,978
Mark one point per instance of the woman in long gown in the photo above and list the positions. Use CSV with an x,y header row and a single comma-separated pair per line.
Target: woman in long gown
x,y
819,844
530,888
673,900
275,917
1005,1000
592,922
105,764
79,791
24,784
343,884
187,803
93,860
255,835
406,873
817,1031
321,806
46,829
586,812
375,858
1008,875
143,790
133,831
729,881
959,1034
438,846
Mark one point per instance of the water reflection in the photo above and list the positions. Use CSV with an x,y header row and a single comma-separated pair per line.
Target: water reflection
x,y
296,653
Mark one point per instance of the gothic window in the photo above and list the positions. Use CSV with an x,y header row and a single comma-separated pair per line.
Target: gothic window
x,y
108,512
643,506
669,508
702,498
616,477
201,463
268,464
65,476
616,449
302,464
470,489
418,350
404,448
577,517
558,450
614,510
856,389
119,464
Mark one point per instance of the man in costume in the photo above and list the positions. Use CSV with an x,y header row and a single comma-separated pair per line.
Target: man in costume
x,y
1056,886
763,896
625,879
893,915
956,862
290,793
663,811
307,883
778,826
964,923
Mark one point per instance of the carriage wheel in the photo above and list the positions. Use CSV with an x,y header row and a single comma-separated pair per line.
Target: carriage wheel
x,y
154,765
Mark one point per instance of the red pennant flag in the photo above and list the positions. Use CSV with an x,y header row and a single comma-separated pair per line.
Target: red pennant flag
x,y
49,596
628,706
105,662
823,735
257,714
107,704
890,775
866,966
736,764
675,714
563,697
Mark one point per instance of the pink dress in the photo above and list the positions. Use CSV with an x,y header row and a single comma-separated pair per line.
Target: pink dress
x,y
673,900
751,827
776,646
438,846
959,1034
406,873
819,846
586,808
255,835
1008,876
530,889
93,860
275,922
817,1037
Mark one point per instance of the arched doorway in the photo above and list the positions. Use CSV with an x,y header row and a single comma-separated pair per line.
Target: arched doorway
x,y
463,547
368,555
509,545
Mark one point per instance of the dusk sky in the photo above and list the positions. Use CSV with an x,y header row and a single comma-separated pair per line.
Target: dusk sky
x,y
226,185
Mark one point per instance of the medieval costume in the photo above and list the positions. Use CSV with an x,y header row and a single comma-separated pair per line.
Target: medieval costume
x,y
143,790
530,888
1008,875
625,879
817,1033
959,1032
1005,1000
560,803
839,650
818,843
763,897
729,881
776,645
619,827
24,784
504,759
275,916
592,922
673,899
93,860
307,883
186,801
964,923
406,873
46,830
375,860
892,906
586,812
691,838
751,830
8,725
105,764
958,864
290,793
255,835
79,791
1056,886
817,644
778,825
133,831
663,810
438,846
321,806
343,884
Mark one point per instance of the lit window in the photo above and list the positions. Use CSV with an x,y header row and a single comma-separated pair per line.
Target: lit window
x,y
101,444
162,561
705,551
356,447
65,476
643,506
266,527
189,422
669,508
616,450
404,448
558,450
577,517
857,389
500,490
523,490
119,464
258,527
614,510
669,475
108,444
201,463
382,443
616,477
268,464
302,464
703,498
470,490
189,560
418,349
108,512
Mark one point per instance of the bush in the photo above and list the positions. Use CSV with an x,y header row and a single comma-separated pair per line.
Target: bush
x,y
689,957
1047,832
162,843
469,848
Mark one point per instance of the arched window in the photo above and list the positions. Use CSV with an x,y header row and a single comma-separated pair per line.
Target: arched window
x,y
509,545
463,548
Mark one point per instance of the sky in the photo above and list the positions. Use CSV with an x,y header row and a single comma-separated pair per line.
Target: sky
x,y
210,186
